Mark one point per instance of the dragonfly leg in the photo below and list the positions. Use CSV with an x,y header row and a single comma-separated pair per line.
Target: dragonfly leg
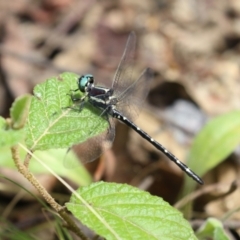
x,y
76,100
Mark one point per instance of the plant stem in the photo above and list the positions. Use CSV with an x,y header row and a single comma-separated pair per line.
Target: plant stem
x,y
42,191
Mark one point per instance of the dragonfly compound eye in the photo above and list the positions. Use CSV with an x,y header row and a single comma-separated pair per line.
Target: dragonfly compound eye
x,y
84,81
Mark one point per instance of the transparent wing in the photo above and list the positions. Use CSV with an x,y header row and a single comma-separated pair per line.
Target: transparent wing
x,y
93,147
123,75
131,100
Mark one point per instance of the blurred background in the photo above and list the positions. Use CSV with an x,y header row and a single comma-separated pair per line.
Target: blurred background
x,y
193,48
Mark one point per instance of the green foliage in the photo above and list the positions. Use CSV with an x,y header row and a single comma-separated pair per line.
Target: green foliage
x,y
212,229
52,123
19,111
215,142
9,136
119,211
212,145
11,131
114,211
47,100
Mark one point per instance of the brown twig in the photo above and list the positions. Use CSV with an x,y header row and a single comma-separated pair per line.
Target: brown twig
x,y
205,190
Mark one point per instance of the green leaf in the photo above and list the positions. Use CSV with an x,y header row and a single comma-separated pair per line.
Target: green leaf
x,y
19,111
213,144
119,211
212,229
9,137
52,123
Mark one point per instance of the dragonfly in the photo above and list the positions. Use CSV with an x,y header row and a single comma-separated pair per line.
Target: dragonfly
x,y
123,102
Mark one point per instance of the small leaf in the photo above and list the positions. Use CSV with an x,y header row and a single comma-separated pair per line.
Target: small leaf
x,y
215,142
212,229
19,111
9,137
52,123
119,211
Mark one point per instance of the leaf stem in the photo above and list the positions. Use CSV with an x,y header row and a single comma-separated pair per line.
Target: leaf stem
x,y
27,160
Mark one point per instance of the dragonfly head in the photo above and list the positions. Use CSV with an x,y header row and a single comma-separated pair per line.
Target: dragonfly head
x,y
85,82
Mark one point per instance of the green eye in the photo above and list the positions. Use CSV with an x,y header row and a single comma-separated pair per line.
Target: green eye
x,y
84,80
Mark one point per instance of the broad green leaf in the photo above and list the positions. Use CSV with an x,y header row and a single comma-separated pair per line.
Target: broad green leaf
x,y
52,123
213,144
9,137
19,111
212,229
119,211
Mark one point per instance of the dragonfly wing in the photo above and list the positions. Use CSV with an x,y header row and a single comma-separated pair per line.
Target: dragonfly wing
x,y
93,147
123,75
131,100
